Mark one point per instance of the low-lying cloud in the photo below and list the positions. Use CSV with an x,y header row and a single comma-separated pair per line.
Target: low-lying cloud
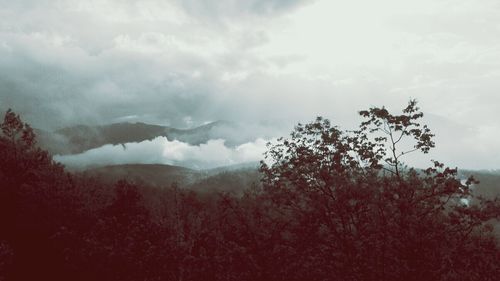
x,y
160,150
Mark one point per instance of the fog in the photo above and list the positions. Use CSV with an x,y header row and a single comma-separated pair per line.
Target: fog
x,y
160,150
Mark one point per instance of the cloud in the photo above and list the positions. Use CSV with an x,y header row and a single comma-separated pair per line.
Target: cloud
x,y
235,8
160,150
183,63
69,62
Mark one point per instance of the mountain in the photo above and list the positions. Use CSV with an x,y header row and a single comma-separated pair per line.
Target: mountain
x,y
235,178
149,174
488,188
232,179
80,138
489,182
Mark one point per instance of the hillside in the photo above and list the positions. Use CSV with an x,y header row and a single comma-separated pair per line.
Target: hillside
x,y
232,179
151,174
229,181
235,178
489,182
80,138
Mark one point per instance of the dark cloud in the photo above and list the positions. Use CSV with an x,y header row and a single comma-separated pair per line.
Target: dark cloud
x,y
70,87
64,63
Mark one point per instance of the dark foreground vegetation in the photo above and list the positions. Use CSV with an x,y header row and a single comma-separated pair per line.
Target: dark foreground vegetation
x,y
332,205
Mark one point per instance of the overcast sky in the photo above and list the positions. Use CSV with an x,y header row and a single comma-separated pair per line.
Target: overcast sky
x,y
187,62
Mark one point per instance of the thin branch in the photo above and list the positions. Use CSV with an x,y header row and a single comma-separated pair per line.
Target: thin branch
x,y
407,152
401,136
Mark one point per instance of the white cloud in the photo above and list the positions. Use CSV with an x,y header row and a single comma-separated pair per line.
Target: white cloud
x,y
160,150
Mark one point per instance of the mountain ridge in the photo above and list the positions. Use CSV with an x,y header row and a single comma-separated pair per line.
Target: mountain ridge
x,y
234,178
79,138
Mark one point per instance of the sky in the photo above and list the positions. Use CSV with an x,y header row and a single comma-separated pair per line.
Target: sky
x,y
184,63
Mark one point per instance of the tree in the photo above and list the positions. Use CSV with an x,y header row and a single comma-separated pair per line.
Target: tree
x,y
367,217
38,203
393,129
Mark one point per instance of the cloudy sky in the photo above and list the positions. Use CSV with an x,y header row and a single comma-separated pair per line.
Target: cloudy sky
x,y
186,62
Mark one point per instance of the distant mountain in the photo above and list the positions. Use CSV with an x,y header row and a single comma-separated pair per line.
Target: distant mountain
x,y
488,187
236,167
233,179
148,174
85,137
80,138
489,182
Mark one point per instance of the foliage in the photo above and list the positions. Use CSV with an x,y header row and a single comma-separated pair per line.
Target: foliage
x,y
333,205
376,220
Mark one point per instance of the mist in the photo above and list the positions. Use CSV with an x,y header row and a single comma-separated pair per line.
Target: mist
x,y
160,150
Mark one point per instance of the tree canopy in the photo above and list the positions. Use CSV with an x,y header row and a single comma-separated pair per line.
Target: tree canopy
x,y
373,217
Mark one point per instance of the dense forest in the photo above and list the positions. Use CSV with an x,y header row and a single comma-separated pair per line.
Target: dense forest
x,y
331,205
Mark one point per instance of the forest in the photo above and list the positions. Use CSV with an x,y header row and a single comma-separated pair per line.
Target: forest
x,y
330,205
